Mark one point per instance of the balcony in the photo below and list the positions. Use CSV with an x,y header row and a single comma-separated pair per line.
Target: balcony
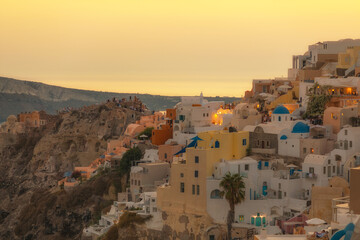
x,y
309,175
343,145
244,174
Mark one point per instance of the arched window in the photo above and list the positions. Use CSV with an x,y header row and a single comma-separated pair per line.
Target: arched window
x,y
217,144
279,118
215,194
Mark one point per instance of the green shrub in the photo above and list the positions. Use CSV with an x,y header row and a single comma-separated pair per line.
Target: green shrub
x,y
147,132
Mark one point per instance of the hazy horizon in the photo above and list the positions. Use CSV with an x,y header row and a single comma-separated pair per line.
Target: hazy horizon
x,y
163,47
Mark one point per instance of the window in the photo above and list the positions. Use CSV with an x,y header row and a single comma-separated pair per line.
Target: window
x,y
217,144
197,189
196,173
279,186
215,194
268,143
284,194
258,142
346,131
165,155
138,182
207,114
193,189
241,218
351,144
246,167
182,187
181,175
154,209
212,237
244,142
329,161
196,159
203,114
311,150
279,118
334,169
304,150
324,170
311,170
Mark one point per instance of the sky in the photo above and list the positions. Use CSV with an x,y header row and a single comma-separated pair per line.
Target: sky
x,y
166,47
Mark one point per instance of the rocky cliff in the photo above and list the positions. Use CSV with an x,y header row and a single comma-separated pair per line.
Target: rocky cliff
x,y
31,204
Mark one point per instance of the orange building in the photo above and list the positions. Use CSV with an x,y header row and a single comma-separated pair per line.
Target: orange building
x,y
33,119
165,131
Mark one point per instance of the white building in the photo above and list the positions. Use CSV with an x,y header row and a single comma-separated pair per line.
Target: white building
x,y
290,139
317,170
346,146
311,57
194,115
270,193
245,114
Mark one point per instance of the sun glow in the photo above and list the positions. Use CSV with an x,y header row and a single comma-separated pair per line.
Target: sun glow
x,y
218,117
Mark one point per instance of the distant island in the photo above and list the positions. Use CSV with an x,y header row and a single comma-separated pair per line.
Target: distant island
x,y
24,96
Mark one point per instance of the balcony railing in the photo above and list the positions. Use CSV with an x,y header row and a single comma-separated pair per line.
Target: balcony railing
x,y
244,174
309,175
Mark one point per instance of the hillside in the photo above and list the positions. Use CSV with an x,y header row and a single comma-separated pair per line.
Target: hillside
x,y
24,96
31,204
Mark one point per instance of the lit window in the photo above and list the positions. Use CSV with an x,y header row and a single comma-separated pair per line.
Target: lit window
x,y
311,150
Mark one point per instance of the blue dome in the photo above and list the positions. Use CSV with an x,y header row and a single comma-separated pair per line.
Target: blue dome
x,y
283,137
281,110
301,127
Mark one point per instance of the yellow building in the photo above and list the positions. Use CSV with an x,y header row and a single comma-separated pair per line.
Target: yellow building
x,y
349,58
186,192
291,97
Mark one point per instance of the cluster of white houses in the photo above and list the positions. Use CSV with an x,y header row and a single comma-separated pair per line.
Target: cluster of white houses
x,y
292,168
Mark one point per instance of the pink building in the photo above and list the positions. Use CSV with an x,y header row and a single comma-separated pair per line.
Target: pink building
x,y
167,151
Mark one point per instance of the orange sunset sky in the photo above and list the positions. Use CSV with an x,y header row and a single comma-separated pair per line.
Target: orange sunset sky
x,y
167,47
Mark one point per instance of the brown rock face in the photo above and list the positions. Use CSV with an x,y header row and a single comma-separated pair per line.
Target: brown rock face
x,y
31,163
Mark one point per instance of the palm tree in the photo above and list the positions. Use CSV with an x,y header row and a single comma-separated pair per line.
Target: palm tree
x,y
234,191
